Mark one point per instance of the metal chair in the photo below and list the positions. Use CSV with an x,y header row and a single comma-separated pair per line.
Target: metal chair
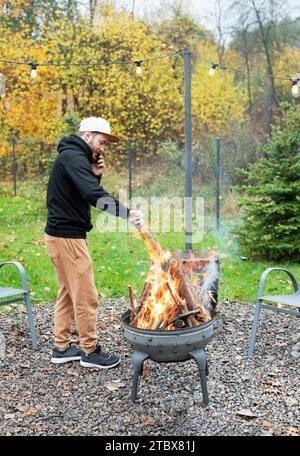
x,y
14,295
288,300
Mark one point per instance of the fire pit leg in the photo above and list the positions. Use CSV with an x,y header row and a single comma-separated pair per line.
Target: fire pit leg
x,y
200,358
138,359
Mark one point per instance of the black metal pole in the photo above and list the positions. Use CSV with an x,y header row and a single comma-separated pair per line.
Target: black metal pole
x,y
188,150
14,165
130,170
218,168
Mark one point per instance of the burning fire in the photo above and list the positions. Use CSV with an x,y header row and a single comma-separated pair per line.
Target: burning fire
x,y
169,294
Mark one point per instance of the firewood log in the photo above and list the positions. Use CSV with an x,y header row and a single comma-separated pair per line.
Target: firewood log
x,y
181,304
188,291
132,303
144,296
152,245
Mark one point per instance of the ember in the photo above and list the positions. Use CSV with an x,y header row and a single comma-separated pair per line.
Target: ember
x,y
179,291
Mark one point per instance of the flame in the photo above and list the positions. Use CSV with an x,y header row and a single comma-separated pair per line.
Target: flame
x,y
159,307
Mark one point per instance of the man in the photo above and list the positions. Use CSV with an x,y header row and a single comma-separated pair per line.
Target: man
x,y
73,187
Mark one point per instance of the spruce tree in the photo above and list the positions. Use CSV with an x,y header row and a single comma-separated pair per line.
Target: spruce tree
x,y
271,195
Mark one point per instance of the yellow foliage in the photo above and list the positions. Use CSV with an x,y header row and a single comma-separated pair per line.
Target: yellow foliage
x,y
148,107
218,101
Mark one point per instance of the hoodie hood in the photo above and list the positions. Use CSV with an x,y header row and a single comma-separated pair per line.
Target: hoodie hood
x,y
74,142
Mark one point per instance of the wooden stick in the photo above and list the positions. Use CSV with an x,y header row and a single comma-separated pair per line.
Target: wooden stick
x,y
133,305
144,297
181,305
176,299
153,246
185,314
188,291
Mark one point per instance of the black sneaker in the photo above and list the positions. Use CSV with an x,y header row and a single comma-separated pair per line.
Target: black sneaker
x,y
72,353
99,359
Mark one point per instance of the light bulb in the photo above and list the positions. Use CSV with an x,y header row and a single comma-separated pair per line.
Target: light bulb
x,y
212,69
295,89
138,67
33,70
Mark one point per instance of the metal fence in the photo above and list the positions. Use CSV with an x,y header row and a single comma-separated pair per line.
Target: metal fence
x,y
159,170
146,169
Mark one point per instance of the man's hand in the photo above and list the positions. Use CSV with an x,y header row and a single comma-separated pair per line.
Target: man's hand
x,y
99,166
136,217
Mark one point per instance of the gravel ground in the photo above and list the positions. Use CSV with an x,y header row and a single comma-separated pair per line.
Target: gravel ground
x,y
259,397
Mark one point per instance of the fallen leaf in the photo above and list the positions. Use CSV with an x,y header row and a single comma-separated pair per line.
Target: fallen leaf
x,y
292,431
25,366
148,421
246,413
72,373
273,383
29,411
118,340
147,371
114,385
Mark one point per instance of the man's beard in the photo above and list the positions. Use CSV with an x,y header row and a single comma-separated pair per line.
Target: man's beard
x,y
91,145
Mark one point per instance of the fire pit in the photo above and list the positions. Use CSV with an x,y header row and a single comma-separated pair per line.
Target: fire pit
x,y
169,346
165,342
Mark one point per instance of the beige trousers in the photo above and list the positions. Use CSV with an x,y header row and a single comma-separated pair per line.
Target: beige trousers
x,y
77,297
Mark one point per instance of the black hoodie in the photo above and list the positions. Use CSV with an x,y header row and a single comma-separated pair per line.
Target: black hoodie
x,y
73,188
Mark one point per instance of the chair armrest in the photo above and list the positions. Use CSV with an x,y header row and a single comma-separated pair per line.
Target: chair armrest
x,y
267,272
21,269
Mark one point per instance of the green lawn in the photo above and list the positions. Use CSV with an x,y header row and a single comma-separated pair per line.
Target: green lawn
x,y
119,259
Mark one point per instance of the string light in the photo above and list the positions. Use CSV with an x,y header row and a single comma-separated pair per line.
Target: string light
x,y
295,87
295,79
138,66
33,67
212,69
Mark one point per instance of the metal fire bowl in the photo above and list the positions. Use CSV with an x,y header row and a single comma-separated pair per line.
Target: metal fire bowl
x,y
168,346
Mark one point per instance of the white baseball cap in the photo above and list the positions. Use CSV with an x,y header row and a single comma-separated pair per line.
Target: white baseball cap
x,y
100,125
